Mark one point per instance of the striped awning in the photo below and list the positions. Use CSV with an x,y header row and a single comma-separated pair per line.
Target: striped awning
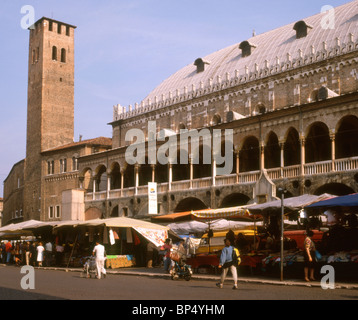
x,y
225,213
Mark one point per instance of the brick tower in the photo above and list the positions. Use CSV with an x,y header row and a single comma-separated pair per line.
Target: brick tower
x,y
50,106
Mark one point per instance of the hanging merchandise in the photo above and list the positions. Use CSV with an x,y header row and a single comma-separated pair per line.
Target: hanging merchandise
x,y
111,237
157,237
136,239
115,235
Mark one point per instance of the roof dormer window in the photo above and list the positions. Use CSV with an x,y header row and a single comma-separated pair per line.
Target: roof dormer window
x,y
200,64
247,48
302,29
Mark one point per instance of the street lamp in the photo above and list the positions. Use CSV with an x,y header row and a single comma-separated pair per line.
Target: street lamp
x,y
283,191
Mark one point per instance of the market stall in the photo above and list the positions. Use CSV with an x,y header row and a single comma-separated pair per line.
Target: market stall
x,y
269,243
125,239
339,245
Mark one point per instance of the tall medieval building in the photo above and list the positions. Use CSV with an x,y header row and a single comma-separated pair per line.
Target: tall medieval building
x,y
34,187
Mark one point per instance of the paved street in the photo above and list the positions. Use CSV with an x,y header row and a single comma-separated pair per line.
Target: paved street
x,y
58,285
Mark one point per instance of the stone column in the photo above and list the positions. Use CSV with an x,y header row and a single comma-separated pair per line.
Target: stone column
x,y
136,178
122,182
191,172
108,185
303,154
170,176
282,158
333,151
153,172
237,166
262,155
213,167
94,187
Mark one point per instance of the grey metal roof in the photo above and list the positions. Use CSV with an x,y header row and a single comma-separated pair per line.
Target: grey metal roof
x,y
273,48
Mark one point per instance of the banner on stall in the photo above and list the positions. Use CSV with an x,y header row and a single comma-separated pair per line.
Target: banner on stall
x,y
155,236
152,198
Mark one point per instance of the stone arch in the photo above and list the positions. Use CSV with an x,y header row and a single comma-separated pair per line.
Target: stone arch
x,y
115,172
318,143
292,148
93,213
234,200
347,137
181,170
115,212
250,155
203,168
101,178
128,176
229,158
337,189
145,173
189,204
272,151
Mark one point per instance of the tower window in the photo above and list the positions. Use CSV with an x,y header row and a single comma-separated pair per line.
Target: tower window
x,y
33,56
75,163
54,53
50,26
50,167
63,55
67,31
59,28
63,165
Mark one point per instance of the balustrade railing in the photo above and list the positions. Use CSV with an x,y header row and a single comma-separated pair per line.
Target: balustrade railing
x,y
316,168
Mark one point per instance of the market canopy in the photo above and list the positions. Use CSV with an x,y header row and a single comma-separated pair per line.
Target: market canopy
x,y
179,216
190,227
291,204
224,213
122,222
342,201
19,227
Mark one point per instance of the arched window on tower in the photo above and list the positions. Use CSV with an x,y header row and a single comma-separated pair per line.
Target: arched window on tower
x,y
54,53
63,55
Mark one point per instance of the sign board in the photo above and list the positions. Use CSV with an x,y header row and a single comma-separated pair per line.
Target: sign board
x,y
152,198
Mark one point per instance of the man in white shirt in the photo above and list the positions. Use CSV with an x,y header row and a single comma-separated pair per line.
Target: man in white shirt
x,y
48,253
99,253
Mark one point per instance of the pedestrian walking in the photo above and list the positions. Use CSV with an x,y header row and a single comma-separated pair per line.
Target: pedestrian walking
x,y
226,263
8,250
167,261
309,256
40,254
27,250
99,252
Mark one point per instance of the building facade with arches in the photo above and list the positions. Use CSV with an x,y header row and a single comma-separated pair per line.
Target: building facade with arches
x,y
288,95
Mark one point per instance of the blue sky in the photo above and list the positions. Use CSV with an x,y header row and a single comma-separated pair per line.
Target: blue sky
x,y
123,50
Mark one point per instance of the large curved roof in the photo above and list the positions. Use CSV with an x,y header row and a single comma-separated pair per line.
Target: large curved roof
x,y
272,47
